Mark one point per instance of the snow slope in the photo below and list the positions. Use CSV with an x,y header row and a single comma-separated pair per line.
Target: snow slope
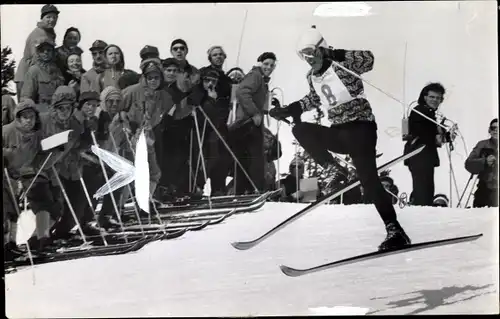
x,y
201,274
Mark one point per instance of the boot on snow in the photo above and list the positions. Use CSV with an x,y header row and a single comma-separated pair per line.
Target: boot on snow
x,y
396,238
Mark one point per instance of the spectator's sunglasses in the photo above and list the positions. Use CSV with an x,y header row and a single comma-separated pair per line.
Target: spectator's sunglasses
x,y
493,128
179,48
296,166
95,53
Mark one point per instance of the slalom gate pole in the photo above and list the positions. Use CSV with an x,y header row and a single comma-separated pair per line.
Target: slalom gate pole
x,y
103,168
16,207
128,186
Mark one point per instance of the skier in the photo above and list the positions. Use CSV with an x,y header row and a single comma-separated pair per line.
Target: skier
x,y
353,130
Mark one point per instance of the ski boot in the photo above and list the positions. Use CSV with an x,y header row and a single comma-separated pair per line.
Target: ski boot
x,y
396,238
11,251
90,230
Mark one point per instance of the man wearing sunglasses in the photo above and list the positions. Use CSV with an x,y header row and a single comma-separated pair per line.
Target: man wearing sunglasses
x,y
483,160
353,130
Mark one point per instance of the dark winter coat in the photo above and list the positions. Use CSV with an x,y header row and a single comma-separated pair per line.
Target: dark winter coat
x,y
422,132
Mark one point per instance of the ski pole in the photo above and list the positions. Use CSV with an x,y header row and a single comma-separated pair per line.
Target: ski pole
x,y
228,148
84,186
16,207
70,206
34,178
465,189
200,146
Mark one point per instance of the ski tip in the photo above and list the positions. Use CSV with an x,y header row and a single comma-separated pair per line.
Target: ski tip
x,y
291,272
243,245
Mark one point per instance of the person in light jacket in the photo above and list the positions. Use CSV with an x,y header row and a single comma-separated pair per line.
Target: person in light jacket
x,y
483,160
43,77
98,65
252,96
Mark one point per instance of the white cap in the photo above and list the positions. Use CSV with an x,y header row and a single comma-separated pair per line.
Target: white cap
x,y
312,38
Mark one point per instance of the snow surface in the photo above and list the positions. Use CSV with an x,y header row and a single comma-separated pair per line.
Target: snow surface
x,y
201,274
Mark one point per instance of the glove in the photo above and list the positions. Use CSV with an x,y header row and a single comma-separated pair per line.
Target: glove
x,y
293,110
275,102
92,124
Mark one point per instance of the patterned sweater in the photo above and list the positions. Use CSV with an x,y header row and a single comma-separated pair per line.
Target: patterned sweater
x,y
358,109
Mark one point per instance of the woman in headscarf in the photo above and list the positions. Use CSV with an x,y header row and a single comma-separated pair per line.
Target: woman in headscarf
x,y
42,78
70,46
115,61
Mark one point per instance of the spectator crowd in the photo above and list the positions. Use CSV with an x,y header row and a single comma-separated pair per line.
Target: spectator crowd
x,y
200,124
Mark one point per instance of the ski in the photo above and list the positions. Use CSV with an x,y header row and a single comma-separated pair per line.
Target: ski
x,y
293,272
87,251
216,219
324,199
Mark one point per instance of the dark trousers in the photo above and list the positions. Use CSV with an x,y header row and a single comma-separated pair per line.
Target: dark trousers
x,y
94,179
247,143
422,173
485,197
359,140
78,202
174,162
218,159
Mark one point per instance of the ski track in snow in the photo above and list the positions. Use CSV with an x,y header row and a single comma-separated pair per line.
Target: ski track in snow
x,y
201,274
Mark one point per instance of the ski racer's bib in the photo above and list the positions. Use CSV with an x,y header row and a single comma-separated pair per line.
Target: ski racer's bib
x,y
331,90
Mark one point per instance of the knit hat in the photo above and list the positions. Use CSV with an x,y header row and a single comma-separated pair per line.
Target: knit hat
x,y
440,200
178,41
209,73
168,62
312,38
146,62
239,70
40,42
49,8
212,48
89,96
107,93
24,105
72,29
63,94
266,55
151,66
386,178
98,45
149,51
